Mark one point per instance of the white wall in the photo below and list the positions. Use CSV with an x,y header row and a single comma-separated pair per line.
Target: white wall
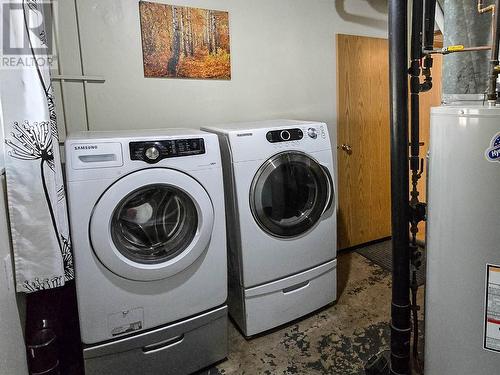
x,y
283,63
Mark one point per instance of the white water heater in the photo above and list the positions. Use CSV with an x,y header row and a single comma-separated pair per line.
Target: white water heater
x,y
462,318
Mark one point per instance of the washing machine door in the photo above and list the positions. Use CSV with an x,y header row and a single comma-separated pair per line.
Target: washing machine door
x,y
290,193
151,224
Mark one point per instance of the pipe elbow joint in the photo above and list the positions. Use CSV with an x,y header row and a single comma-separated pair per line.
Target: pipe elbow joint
x,y
426,86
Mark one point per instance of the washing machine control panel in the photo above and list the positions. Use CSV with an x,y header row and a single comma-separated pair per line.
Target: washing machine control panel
x,y
154,151
286,135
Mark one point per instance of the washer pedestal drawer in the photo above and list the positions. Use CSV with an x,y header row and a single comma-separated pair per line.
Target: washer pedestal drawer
x,y
270,305
180,348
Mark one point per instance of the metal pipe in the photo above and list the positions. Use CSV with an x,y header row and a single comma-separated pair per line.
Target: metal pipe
x,y
82,65
471,49
415,89
416,55
454,49
429,21
482,9
400,308
492,81
495,39
428,42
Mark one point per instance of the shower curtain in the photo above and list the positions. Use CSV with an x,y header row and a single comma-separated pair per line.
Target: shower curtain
x,y
35,190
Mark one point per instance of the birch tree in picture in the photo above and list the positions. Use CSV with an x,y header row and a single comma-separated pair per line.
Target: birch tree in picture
x,y
184,42
176,44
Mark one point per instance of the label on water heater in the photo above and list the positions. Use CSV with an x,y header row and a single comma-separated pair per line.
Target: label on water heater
x,y
493,152
492,315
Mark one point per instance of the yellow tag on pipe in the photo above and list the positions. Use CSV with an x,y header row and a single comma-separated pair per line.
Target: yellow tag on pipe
x,y
456,48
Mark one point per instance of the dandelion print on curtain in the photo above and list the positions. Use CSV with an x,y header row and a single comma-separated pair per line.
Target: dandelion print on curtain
x,y
35,190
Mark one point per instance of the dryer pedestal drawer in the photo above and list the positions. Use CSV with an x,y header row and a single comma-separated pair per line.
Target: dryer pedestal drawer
x,y
177,349
271,305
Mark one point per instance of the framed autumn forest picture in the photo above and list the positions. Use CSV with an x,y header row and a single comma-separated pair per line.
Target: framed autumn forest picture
x,y
184,42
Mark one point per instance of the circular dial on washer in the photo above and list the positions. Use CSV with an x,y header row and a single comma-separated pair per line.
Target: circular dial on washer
x,y
152,153
285,135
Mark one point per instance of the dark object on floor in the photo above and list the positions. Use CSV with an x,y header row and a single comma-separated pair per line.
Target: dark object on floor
x,y
377,365
381,254
42,353
55,311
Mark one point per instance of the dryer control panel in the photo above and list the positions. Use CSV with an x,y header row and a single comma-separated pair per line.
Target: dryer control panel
x,y
285,135
154,151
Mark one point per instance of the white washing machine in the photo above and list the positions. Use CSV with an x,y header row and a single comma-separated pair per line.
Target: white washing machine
x,y
281,210
148,230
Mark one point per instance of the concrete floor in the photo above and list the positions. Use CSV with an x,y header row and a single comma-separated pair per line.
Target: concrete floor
x,y
336,340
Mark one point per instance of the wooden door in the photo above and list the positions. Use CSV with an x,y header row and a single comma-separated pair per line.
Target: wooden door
x,y
363,127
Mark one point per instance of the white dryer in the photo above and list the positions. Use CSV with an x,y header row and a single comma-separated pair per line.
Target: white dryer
x,y
281,210
148,230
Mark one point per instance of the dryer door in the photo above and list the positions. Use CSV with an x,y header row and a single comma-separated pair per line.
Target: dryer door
x,y
290,193
151,224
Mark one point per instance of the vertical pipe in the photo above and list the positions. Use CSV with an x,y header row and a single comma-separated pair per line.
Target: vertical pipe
x,y
416,55
428,42
400,308
416,29
415,89
492,82
82,66
430,19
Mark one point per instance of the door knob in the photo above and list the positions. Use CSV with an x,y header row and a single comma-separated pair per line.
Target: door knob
x,y
345,147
